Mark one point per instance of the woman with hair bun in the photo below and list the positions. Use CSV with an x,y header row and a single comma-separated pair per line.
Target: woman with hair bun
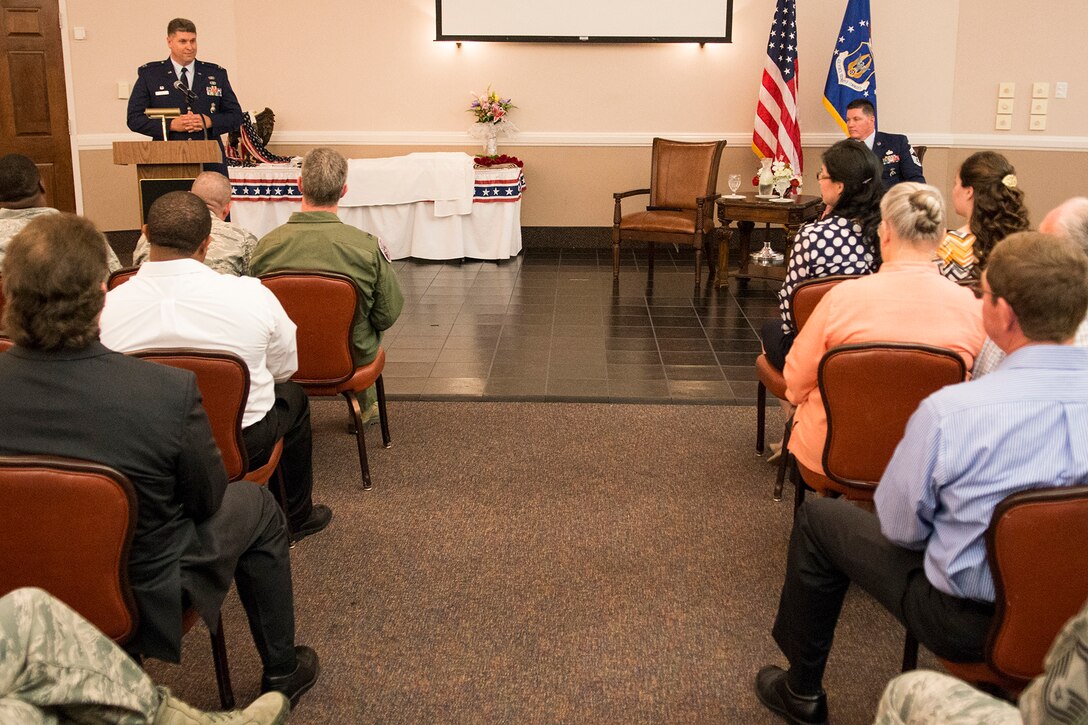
x,y
906,301
987,195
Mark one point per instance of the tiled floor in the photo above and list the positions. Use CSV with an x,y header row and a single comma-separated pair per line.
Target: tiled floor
x,y
550,325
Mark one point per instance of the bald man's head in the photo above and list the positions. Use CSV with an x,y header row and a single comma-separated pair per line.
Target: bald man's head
x,y
1069,220
214,189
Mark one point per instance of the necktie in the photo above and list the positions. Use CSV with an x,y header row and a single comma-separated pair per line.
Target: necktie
x,y
185,78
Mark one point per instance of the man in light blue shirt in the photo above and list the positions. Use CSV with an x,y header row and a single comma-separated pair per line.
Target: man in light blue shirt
x,y
967,447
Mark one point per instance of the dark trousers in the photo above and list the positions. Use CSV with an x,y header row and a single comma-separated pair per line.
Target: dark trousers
x,y
289,419
246,540
835,543
776,343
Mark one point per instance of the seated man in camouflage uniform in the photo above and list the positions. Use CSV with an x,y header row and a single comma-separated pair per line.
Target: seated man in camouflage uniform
x,y
58,668
231,245
22,199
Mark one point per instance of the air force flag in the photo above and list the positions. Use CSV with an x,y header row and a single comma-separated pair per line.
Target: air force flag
x,y
852,74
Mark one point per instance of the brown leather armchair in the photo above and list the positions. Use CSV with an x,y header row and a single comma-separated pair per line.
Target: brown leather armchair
x,y
323,305
870,390
1035,549
66,526
683,189
120,276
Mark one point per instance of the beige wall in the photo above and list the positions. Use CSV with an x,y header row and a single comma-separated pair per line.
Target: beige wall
x,y
368,78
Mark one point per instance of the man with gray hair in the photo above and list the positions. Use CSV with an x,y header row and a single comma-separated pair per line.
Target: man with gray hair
x,y
316,239
1069,220
231,245
22,199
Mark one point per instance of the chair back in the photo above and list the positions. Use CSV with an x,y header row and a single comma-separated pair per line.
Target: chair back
x,y
322,305
66,526
809,293
6,343
223,379
1036,545
870,390
1,303
921,152
120,276
682,172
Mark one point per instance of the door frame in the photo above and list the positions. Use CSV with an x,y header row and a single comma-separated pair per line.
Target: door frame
x,y
69,93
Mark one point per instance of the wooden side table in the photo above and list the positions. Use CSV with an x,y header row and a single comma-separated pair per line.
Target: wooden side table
x,y
749,211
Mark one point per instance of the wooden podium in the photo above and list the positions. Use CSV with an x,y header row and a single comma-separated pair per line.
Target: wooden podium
x,y
164,166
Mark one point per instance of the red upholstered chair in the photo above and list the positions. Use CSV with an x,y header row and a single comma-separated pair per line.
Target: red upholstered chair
x,y
805,298
66,526
6,343
869,391
120,276
223,379
1035,548
683,189
323,306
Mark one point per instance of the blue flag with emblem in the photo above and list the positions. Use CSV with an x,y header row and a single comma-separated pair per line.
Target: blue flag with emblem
x,y
853,72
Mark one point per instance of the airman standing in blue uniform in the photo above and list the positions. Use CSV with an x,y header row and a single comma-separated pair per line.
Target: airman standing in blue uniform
x,y
894,151
201,90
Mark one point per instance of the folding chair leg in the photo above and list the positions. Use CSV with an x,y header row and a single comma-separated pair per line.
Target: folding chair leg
x,y
761,416
383,417
360,439
910,652
222,670
784,461
798,487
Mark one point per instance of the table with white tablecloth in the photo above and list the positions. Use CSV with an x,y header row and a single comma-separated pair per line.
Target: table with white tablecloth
x,y
424,205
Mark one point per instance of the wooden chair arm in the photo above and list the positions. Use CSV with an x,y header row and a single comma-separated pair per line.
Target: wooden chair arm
x,y
624,194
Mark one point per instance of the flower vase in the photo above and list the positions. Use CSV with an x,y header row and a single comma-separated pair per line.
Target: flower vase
x,y
766,177
491,145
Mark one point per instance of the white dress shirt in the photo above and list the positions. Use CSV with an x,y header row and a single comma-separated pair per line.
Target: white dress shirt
x,y
182,303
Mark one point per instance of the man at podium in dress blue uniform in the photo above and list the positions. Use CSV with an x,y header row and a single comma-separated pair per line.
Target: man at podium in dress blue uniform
x,y
200,89
896,155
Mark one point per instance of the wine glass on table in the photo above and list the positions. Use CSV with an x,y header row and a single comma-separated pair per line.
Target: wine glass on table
x,y
734,184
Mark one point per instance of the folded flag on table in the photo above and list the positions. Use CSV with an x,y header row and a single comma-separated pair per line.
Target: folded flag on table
x,y
852,74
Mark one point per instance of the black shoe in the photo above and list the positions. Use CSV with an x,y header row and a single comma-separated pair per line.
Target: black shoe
x,y
296,684
774,691
318,520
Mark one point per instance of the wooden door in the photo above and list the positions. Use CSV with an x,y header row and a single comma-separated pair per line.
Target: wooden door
x,y
33,106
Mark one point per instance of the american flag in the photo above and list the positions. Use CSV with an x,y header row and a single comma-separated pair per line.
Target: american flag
x,y
777,132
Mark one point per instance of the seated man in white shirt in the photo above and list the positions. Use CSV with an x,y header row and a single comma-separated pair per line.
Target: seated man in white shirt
x,y
176,301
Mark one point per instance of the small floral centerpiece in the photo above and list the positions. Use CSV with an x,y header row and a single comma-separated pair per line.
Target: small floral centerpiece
x,y
781,178
499,160
492,118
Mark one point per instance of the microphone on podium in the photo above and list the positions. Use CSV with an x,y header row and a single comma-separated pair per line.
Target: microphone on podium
x,y
190,97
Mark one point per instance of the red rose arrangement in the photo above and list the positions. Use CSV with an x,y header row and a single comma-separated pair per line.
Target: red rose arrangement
x,y
499,161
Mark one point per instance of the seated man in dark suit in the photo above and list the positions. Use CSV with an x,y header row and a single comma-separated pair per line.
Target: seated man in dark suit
x,y
896,155
67,395
967,447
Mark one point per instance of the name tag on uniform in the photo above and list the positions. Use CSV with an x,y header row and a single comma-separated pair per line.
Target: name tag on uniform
x,y
162,93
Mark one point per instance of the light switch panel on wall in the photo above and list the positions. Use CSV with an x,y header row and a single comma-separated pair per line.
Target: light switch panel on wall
x,y
1006,90
1004,105
1040,89
1038,123
1004,122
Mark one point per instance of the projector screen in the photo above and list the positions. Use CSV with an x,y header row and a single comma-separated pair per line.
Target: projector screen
x,y
585,21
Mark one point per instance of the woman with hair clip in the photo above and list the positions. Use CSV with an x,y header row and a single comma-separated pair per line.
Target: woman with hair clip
x,y
906,301
843,241
987,196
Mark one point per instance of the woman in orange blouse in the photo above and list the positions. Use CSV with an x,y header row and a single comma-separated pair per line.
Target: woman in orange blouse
x,y
906,301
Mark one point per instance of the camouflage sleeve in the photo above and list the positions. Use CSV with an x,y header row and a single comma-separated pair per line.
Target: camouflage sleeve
x,y
922,697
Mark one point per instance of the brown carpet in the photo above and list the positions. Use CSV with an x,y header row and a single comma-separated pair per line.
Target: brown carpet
x,y
546,563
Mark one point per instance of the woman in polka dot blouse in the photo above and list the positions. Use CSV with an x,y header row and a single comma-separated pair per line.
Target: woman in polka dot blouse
x,y
843,241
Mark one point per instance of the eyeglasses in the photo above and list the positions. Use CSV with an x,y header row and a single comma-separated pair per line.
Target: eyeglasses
x,y
980,292
823,177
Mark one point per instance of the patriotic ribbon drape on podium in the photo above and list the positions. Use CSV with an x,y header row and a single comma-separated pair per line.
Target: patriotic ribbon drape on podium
x,y
852,74
777,131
